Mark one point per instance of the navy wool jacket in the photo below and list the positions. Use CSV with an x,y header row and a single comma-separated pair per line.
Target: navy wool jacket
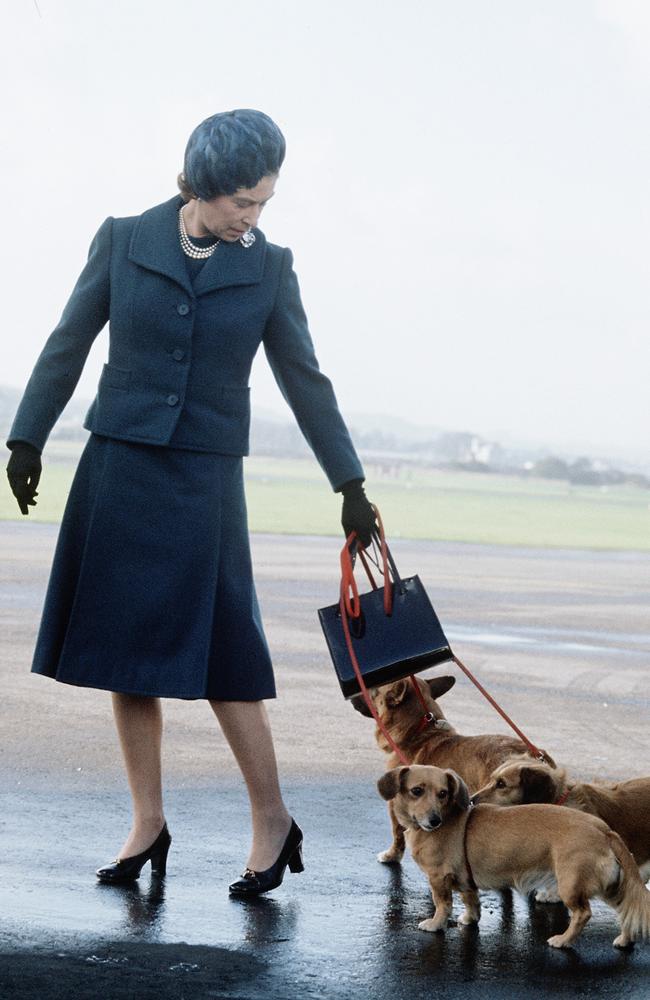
x,y
180,356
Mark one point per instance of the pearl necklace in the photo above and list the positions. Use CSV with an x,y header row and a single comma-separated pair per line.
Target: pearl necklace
x,y
190,249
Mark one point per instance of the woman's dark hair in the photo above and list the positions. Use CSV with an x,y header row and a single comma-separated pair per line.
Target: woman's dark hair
x,y
230,150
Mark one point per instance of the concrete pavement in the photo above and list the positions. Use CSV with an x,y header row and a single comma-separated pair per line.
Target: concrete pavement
x,y
561,638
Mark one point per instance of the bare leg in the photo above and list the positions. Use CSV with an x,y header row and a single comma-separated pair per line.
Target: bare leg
x,y
139,726
245,725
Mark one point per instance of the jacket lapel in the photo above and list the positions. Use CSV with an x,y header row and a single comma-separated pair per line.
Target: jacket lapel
x,y
232,264
156,246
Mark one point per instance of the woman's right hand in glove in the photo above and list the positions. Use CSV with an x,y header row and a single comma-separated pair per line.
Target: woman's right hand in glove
x,y
358,514
23,472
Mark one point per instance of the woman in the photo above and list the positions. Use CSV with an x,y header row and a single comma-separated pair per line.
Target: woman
x,y
151,593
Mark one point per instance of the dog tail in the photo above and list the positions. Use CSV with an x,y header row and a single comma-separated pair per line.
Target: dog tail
x,y
629,895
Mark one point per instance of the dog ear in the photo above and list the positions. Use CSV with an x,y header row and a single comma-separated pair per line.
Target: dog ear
x,y
391,783
397,693
358,703
440,685
457,790
537,785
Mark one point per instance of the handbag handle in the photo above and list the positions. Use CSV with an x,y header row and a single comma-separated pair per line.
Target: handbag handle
x,y
349,589
349,605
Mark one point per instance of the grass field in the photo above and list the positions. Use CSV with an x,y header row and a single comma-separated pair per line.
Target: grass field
x,y
291,496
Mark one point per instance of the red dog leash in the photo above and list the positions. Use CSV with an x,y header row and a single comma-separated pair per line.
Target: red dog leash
x,y
349,606
535,751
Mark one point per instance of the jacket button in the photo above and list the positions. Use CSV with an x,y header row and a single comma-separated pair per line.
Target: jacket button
x,y
182,309
172,400
178,355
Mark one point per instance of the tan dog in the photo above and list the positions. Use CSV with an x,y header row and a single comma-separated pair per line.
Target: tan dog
x,y
624,806
432,740
489,847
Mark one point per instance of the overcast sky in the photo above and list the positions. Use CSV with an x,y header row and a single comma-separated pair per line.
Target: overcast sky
x,y
466,189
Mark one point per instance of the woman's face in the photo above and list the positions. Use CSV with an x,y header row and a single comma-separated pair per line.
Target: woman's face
x,y
229,215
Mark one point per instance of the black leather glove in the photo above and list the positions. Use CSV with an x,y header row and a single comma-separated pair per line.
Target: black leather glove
x,y
357,514
23,472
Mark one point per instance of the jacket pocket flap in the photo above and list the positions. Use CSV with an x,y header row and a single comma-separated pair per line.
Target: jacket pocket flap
x,y
115,378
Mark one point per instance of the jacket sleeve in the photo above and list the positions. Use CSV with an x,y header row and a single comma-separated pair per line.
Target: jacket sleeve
x,y
307,390
61,361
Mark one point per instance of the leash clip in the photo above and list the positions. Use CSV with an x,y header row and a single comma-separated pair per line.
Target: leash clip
x,y
426,720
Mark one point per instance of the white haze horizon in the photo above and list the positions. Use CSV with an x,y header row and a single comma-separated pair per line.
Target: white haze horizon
x,y
465,192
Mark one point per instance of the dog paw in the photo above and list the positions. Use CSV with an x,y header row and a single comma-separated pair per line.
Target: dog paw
x,y
432,925
390,857
467,919
623,941
558,941
546,896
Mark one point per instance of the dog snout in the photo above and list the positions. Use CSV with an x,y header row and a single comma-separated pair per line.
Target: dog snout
x,y
431,821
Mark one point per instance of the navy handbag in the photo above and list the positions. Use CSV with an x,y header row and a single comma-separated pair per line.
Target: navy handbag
x,y
391,631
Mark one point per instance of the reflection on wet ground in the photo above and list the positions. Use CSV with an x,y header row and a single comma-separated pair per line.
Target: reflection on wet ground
x,y
346,926
143,906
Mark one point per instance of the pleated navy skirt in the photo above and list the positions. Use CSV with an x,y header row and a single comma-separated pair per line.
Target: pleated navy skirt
x,y
151,590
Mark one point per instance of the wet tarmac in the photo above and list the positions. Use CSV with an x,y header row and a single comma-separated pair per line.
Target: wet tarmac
x,y
347,926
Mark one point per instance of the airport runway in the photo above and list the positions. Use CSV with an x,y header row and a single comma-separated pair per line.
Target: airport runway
x,y
561,638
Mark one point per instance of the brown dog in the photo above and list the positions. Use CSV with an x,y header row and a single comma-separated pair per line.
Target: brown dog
x,y
432,740
489,847
625,806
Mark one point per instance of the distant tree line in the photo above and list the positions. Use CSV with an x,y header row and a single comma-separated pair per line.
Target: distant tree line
x,y
584,472
385,448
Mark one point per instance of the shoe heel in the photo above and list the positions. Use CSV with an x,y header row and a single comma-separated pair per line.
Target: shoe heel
x,y
159,860
295,861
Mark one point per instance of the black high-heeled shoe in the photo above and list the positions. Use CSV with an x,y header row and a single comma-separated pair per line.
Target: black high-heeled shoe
x,y
253,883
128,869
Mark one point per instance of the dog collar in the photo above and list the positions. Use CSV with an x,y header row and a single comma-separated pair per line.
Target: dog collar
x,y
562,799
428,718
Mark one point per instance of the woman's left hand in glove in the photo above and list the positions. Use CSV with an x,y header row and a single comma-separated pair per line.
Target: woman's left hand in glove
x,y
357,514
23,472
